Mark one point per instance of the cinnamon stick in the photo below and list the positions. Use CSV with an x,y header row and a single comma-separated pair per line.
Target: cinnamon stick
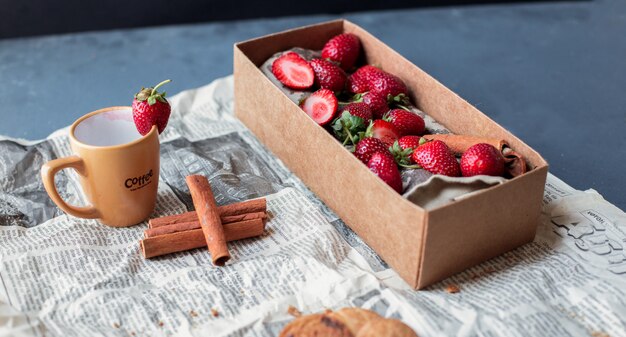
x,y
460,143
238,208
209,217
185,226
191,239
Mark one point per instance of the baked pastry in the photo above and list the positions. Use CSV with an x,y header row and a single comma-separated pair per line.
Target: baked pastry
x,y
346,322
386,328
354,318
316,325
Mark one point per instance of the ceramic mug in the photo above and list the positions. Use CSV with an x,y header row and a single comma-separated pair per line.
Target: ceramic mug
x,y
118,168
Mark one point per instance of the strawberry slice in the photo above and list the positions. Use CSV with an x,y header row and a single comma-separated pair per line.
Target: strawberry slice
x,y
383,130
293,71
321,106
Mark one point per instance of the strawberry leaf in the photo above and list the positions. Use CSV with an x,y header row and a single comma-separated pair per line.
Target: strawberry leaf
x,y
401,156
347,127
151,100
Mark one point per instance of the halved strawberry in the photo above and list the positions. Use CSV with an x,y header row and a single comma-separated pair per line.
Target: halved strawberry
x,y
293,71
407,123
383,130
321,106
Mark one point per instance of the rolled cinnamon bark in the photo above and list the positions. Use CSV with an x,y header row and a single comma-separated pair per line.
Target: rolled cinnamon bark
x,y
460,143
191,239
185,226
235,209
209,218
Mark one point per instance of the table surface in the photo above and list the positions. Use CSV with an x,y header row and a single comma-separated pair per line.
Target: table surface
x,y
551,73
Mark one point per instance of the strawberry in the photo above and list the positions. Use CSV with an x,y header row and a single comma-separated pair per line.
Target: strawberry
x,y
383,130
360,110
407,123
482,159
358,82
365,148
293,71
435,157
368,71
151,108
409,142
376,102
383,165
320,106
386,84
352,122
328,75
343,49
403,148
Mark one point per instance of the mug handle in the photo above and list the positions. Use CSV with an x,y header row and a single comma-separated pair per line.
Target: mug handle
x,y
49,170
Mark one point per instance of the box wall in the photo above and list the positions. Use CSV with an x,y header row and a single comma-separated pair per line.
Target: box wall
x,y
472,230
260,49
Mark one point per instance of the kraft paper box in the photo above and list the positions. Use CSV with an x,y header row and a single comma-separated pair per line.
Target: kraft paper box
x,y
422,246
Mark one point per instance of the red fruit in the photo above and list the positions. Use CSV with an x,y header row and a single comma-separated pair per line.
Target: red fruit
x,y
366,147
358,109
151,108
387,84
320,106
409,142
328,75
293,71
359,81
368,71
357,84
377,103
407,123
343,49
435,157
482,159
383,130
384,166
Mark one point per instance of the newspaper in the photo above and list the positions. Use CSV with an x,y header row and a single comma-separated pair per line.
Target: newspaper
x,y
63,276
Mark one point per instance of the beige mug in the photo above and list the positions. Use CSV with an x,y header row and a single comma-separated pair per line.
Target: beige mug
x,y
118,168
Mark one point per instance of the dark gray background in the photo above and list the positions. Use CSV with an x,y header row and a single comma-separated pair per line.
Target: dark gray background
x,y
552,73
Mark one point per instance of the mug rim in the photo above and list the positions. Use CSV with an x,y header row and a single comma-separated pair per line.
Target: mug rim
x,y
152,131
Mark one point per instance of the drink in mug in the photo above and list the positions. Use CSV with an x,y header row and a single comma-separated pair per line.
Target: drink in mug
x,y
118,168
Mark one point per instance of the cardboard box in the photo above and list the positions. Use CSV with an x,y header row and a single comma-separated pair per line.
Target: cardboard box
x,y
422,246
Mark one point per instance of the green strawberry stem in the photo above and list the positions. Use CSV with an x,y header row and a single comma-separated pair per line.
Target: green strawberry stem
x,y
410,166
403,107
154,90
345,128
